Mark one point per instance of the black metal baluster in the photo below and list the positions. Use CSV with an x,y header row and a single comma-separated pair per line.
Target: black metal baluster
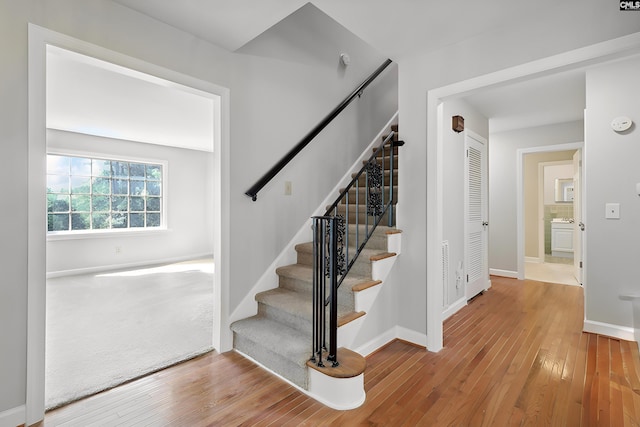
x,y
333,303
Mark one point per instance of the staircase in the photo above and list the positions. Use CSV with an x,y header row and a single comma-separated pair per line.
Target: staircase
x,y
279,336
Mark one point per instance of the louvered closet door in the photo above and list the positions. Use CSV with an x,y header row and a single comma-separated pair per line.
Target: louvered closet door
x,y
476,221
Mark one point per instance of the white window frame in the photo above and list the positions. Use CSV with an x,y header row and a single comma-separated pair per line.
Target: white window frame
x,y
112,232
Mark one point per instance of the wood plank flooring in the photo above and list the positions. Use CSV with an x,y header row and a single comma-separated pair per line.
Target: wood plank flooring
x,y
514,356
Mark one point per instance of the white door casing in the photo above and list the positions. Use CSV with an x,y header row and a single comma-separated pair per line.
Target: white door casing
x,y
577,215
476,215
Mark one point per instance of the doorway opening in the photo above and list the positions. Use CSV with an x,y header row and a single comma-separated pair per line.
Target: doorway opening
x,y
106,250
576,59
129,247
552,211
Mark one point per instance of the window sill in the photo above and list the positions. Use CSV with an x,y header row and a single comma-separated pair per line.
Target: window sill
x,y
106,234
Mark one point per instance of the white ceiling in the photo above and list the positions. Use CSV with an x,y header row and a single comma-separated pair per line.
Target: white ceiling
x,y
542,101
90,96
396,29
98,98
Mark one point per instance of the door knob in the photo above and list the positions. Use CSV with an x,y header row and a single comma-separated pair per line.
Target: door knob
x,y
581,225
485,223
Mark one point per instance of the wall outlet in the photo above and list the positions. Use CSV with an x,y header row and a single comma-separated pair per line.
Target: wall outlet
x,y
118,249
287,188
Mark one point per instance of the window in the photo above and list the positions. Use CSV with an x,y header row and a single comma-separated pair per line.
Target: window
x,y
101,194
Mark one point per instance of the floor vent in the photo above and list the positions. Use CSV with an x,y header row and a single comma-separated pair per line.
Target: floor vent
x,y
445,273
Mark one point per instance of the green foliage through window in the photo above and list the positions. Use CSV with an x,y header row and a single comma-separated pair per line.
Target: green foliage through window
x,y
98,194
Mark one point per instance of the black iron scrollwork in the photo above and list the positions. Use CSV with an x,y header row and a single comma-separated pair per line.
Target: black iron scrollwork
x,y
374,190
341,259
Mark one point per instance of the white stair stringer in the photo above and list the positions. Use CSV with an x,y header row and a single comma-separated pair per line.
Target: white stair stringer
x,y
349,393
364,299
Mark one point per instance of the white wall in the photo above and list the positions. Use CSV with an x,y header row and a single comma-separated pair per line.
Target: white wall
x,y
274,102
283,95
568,26
612,171
189,209
453,203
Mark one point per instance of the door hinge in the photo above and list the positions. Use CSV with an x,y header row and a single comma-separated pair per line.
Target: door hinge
x,y
467,278
580,264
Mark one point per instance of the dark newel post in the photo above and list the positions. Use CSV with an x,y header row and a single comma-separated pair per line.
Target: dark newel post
x,y
333,305
391,165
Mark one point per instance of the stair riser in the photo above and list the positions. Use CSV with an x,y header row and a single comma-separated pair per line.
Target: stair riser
x,y
362,267
362,217
345,295
362,195
387,149
301,324
282,366
362,179
386,164
374,242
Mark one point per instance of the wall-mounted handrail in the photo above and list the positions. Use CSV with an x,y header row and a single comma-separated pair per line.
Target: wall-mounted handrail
x,y
271,173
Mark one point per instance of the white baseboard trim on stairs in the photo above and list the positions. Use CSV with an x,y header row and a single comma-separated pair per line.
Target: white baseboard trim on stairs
x,y
503,273
453,308
13,417
336,393
616,331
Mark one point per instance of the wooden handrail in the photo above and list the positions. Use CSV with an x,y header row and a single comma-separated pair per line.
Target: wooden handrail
x,y
271,173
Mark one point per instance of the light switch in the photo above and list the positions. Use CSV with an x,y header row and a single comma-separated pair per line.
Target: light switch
x,y
612,211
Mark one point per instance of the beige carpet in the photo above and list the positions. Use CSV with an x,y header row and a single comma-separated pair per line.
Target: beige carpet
x,y
105,329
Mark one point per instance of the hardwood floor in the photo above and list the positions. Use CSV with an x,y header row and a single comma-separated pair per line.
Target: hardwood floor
x,y
514,356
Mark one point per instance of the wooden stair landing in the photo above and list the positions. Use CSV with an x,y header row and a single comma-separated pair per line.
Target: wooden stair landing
x,y
351,364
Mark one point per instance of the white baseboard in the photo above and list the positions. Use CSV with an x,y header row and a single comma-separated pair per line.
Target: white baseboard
x,y
13,417
621,332
411,336
532,259
397,332
376,343
91,270
503,273
453,308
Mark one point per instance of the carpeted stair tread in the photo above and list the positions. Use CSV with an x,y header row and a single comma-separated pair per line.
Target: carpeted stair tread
x,y
276,337
305,272
365,254
358,196
295,309
305,253
282,349
279,336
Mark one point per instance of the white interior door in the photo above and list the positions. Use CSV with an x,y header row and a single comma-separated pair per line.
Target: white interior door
x,y
476,215
577,215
